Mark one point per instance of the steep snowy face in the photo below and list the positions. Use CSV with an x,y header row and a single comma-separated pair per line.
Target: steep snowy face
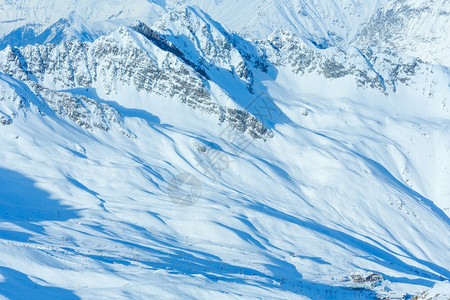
x,y
207,43
418,28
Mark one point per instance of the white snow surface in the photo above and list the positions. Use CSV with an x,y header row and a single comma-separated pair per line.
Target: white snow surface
x,y
353,181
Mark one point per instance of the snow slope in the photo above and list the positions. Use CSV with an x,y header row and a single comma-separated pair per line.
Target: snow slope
x,y
304,165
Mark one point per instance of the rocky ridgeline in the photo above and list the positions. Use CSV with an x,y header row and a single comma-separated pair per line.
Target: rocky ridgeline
x,y
111,61
177,58
380,69
210,45
85,112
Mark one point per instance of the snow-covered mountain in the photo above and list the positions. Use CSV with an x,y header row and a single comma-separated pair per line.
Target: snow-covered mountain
x,y
228,149
323,23
418,28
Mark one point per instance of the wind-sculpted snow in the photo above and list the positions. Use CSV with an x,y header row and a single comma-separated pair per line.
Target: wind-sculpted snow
x,y
155,153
